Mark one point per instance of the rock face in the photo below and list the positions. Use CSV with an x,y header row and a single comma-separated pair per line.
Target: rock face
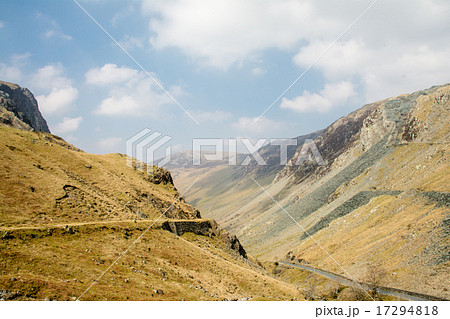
x,y
20,102
160,176
205,227
271,155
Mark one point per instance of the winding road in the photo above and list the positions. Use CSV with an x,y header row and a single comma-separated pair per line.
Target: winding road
x,y
403,294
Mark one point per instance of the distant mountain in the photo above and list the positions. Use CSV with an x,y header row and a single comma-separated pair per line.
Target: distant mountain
x,y
381,197
219,182
19,108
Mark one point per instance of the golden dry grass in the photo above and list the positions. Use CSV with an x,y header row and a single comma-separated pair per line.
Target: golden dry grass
x,y
52,263
35,167
48,185
390,231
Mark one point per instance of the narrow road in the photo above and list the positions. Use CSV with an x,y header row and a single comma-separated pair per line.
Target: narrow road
x,y
399,293
71,224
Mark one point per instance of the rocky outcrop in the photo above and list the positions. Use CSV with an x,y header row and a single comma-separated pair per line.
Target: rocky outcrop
x,y
160,176
20,102
205,227
7,117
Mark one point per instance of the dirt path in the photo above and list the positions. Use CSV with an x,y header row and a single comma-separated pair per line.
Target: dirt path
x,y
100,222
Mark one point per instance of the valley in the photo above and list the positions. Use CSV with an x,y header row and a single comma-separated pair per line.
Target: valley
x,y
80,226
382,198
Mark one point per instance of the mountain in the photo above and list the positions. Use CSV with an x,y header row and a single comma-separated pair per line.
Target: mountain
x,y
223,188
76,224
19,108
381,197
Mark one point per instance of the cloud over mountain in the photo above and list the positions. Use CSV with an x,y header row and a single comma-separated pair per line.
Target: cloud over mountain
x,y
388,51
130,92
61,94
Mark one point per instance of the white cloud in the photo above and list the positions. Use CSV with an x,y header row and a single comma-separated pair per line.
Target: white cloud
x,y
331,96
220,33
50,76
138,96
2,24
62,94
53,91
400,55
110,143
20,59
130,92
383,71
130,42
53,28
262,126
307,102
68,125
12,71
352,55
125,14
396,47
59,99
419,69
55,33
109,74
118,105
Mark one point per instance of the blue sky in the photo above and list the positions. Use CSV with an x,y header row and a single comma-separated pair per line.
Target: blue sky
x,y
223,61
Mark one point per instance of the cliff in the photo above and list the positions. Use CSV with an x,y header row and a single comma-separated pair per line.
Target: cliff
x,y
20,102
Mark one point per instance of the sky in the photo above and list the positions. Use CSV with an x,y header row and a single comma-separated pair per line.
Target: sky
x,y
208,69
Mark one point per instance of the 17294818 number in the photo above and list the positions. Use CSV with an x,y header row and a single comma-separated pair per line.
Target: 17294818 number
x,y
405,310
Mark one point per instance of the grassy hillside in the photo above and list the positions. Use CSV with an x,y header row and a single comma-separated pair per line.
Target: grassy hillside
x,y
46,180
66,216
53,263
